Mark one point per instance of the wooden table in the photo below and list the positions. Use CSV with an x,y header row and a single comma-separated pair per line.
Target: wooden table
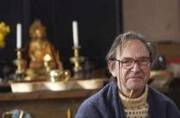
x,y
45,104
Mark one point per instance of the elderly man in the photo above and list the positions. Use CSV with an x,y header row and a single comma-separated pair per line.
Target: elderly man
x,y
128,95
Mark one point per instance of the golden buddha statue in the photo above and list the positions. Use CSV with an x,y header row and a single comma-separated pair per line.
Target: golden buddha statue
x,y
42,56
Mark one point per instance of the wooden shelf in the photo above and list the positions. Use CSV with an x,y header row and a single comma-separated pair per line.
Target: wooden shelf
x,y
39,95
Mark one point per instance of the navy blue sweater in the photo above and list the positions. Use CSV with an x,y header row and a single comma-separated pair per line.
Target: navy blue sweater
x,y
106,104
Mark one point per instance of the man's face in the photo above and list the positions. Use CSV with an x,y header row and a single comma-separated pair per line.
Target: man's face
x,y
134,68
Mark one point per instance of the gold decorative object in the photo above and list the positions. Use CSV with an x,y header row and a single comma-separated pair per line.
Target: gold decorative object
x,y
88,84
77,60
20,63
47,59
42,55
56,75
69,114
4,30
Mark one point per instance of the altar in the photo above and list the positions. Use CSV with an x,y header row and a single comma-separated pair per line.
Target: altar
x,y
47,103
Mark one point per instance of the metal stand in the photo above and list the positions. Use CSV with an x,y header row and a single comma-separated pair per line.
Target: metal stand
x,y
77,60
20,63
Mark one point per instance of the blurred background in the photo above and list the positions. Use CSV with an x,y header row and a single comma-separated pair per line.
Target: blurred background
x,y
99,22
96,21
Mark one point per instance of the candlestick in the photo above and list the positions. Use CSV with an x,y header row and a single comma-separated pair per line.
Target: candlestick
x,y
19,35
75,34
20,63
77,60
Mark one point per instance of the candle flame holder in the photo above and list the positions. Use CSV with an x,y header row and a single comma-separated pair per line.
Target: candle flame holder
x,y
20,63
77,60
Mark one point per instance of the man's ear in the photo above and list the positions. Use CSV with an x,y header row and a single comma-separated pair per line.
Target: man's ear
x,y
111,67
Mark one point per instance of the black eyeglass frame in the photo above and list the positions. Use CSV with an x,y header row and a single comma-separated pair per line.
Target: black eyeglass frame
x,y
133,61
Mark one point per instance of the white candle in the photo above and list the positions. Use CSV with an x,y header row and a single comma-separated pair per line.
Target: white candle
x,y
75,34
18,36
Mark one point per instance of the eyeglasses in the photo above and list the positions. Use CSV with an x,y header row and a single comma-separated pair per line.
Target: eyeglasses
x,y
129,62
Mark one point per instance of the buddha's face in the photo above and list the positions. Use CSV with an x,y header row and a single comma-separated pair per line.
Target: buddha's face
x,y
38,34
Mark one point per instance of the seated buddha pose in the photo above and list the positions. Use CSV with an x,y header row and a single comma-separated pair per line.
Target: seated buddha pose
x,y
42,56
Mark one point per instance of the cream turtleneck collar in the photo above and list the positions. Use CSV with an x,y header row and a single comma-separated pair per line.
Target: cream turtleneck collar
x,y
134,102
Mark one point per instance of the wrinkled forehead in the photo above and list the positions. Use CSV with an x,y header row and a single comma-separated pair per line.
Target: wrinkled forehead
x,y
132,49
